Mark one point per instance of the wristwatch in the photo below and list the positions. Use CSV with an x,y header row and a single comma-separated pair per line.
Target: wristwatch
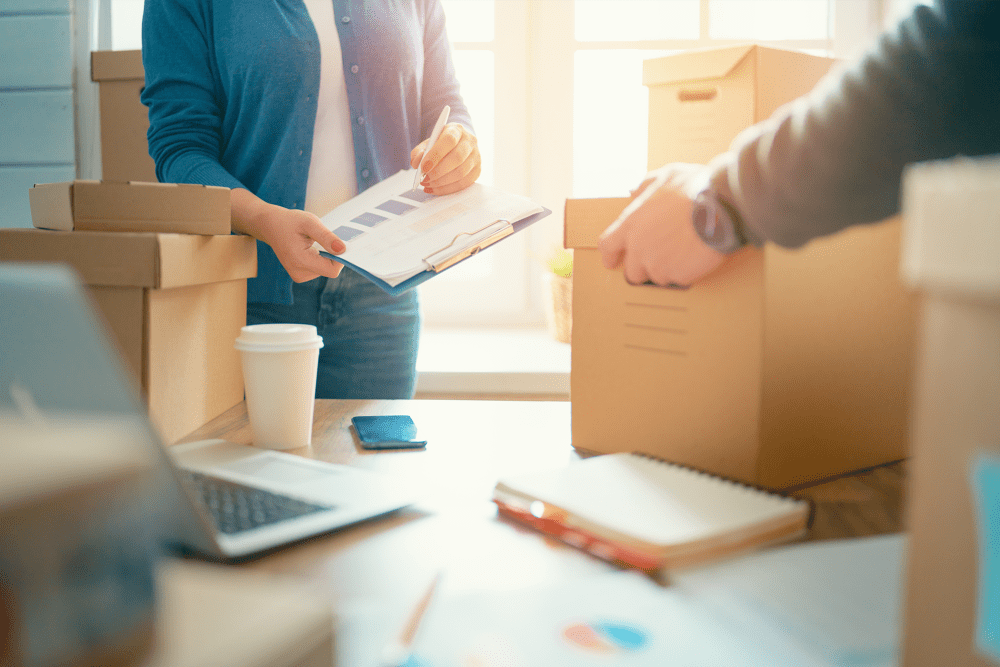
x,y
717,223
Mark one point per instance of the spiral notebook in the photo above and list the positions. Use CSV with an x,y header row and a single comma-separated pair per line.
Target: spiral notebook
x,y
646,513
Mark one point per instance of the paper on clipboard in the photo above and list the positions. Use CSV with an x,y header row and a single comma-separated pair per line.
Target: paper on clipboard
x,y
394,233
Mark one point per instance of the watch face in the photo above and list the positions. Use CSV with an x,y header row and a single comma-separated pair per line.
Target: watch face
x,y
714,225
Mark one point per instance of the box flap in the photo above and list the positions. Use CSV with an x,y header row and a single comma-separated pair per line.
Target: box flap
x,y
694,65
116,65
188,259
587,218
151,207
136,259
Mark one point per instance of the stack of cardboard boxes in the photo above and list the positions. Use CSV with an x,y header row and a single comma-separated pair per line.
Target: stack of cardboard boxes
x,y
159,259
782,368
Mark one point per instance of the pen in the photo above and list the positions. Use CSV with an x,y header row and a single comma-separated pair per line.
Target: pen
x,y
435,133
398,653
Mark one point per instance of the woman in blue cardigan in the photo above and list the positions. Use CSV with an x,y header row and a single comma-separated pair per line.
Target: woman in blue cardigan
x,y
297,105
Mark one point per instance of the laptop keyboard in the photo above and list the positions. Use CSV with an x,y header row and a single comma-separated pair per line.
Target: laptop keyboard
x,y
236,507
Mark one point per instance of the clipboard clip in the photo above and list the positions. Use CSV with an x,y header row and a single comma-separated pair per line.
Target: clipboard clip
x,y
437,263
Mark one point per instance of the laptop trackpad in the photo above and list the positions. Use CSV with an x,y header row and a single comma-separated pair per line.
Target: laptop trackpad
x,y
278,470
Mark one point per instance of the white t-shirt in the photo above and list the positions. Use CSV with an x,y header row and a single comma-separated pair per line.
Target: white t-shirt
x,y
332,180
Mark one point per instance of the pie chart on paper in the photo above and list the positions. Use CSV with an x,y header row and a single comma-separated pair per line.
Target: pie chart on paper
x,y
606,637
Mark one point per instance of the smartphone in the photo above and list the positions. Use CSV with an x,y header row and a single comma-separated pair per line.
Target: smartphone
x,y
387,432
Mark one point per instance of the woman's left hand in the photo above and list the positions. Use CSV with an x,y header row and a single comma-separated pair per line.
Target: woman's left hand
x,y
453,162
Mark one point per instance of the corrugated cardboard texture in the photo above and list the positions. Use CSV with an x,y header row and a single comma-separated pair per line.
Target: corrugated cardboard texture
x,y
131,207
783,367
700,100
174,303
124,118
956,417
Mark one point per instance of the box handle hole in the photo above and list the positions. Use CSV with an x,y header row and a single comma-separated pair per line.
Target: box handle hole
x,y
697,95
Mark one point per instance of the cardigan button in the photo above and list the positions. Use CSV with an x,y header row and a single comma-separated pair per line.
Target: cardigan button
x,y
355,69
345,19
365,173
361,120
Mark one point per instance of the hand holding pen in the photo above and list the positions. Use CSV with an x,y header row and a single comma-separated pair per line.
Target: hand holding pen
x,y
449,160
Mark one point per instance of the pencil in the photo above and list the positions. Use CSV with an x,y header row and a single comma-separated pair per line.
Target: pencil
x,y
397,654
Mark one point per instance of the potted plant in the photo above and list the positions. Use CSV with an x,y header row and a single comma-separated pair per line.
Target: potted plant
x,y
560,294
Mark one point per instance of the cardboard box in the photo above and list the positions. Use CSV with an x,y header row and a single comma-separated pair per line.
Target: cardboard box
x,y
124,118
700,100
131,207
782,368
175,304
956,415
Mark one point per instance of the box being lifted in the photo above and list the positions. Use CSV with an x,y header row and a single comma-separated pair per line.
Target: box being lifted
x,y
174,304
783,367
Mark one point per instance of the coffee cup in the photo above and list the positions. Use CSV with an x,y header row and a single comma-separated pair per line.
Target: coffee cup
x,y
279,375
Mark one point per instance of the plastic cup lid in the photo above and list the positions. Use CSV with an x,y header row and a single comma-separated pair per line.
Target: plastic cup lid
x,y
278,338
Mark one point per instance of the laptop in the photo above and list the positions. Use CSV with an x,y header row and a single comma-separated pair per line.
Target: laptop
x,y
215,499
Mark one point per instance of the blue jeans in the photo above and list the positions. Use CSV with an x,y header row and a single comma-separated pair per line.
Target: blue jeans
x,y
369,337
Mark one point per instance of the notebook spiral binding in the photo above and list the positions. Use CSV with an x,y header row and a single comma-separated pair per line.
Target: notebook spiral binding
x,y
729,480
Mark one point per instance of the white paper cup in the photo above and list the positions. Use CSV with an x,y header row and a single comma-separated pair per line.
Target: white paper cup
x,y
279,374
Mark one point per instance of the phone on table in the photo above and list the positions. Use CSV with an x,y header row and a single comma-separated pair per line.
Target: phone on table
x,y
387,432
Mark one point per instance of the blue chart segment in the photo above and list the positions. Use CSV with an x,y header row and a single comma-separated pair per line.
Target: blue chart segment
x,y
347,233
606,637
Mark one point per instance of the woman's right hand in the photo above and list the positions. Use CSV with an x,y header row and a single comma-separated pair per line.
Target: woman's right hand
x,y
290,233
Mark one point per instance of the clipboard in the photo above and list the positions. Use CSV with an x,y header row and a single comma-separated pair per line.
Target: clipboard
x,y
450,260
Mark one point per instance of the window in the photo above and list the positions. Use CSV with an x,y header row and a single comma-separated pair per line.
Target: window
x,y
570,110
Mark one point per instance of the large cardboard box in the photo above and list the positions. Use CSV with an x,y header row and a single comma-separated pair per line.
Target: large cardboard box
x,y
175,304
780,369
124,118
956,415
178,208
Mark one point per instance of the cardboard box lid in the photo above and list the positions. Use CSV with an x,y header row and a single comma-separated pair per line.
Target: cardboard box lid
x,y
136,259
116,65
586,219
698,64
133,206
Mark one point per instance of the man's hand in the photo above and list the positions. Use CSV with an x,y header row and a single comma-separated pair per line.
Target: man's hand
x,y
453,162
290,233
653,238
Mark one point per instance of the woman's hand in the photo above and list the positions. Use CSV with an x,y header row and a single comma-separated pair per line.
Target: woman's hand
x,y
453,162
290,233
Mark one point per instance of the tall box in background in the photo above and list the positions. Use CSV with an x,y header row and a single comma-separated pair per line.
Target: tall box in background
x,y
953,515
174,303
783,367
124,118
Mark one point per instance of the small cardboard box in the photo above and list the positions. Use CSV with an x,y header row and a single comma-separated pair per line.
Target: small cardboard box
x,y
781,368
124,118
700,100
956,415
131,207
175,304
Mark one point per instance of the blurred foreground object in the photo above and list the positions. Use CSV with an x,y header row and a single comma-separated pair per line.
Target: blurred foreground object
x,y
951,252
76,562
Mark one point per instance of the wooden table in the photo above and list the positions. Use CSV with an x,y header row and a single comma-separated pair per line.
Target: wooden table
x,y
454,527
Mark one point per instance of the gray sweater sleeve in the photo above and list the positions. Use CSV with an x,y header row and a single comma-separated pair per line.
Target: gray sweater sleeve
x,y
928,89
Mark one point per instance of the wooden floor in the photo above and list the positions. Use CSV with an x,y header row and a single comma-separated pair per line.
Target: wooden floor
x,y
865,503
